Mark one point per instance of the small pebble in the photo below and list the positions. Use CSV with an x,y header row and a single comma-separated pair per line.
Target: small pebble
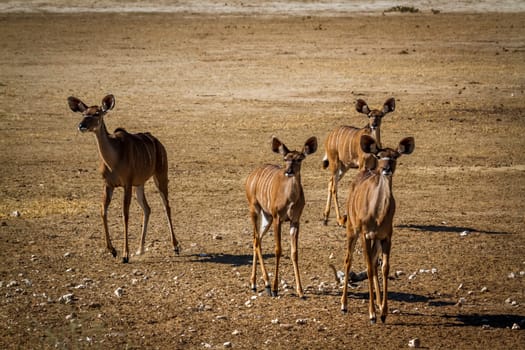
x,y
516,326
227,344
414,343
118,292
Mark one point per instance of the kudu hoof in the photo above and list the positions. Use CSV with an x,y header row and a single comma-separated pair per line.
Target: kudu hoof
x,y
125,260
177,250
113,252
268,291
344,310
373,320
383,319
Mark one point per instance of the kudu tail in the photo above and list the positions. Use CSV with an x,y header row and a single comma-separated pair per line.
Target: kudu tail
x,y
326,163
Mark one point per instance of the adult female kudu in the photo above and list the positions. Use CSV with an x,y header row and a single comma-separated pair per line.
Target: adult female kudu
x,y
126,160
276,195
342,150
371,208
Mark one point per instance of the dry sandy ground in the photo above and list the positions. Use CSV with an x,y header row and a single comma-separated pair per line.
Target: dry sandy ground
x,y
214,89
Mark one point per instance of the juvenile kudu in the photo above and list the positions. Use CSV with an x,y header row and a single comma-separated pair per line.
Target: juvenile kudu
x,y
342,150
371,208
275,195
126,160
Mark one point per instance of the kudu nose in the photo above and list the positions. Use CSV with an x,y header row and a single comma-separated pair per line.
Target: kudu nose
x,y
387,170
82,127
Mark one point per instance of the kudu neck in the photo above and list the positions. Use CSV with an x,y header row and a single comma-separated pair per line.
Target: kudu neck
x,y
376,134
106,148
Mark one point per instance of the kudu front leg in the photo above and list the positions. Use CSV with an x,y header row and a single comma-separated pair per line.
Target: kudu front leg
x,y
278,252
108,194
294,238
368,253
385,269
125,209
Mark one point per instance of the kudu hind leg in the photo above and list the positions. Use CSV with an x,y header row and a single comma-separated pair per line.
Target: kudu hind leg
x,y
141,199
326,212
257,248
108,194
332,195
161,181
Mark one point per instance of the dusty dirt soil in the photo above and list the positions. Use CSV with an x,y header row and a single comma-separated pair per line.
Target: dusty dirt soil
x,y
214,90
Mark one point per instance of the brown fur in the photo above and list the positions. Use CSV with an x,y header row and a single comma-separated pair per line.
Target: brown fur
x,y
126,160
275,195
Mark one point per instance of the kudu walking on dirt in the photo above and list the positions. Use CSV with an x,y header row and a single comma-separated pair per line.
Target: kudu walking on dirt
x,y
276,195
126,160
342,150
371,208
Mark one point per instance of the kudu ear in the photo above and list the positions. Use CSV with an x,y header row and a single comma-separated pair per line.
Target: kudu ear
x,y
362,107
279,147
389,106
369,144
76,105
310,146
406,145
108,103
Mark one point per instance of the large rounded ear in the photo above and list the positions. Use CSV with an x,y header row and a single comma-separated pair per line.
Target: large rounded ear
x,y
362,107
108,103
406,145
76,105
389,106
279,147
369,144
310,146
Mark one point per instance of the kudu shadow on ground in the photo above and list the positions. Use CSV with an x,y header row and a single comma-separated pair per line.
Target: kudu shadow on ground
x,y
449,229
499,321
227,259
486,320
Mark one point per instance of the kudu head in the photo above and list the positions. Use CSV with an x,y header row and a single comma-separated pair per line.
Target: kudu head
x,y
92,116
375,115
386,157
293,159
